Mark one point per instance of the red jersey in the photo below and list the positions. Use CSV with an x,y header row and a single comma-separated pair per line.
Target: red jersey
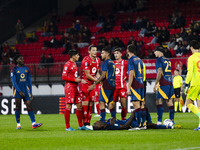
x,y
70,73
91,65
121,74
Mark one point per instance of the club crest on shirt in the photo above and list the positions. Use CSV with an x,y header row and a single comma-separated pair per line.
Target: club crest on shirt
x,y
25,70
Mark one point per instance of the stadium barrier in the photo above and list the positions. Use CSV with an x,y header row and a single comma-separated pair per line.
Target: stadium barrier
x,y
56,105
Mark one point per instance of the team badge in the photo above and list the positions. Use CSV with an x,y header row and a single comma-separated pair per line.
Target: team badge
x,y
25,70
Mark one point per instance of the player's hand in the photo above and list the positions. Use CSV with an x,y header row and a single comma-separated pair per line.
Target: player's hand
x,y
128,92
78,80
186,89
154,88
91,87
83,81
31,96
21,94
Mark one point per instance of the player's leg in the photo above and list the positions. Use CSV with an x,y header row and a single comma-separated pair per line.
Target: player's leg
x,y
102,110
85,104
159,104
171,109
176,102
138,112
17,112
123,98
144,113
111,107
91,103
31,114
67,117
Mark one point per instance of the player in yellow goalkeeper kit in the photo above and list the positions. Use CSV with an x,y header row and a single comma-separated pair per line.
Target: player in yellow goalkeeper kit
x,y
193,78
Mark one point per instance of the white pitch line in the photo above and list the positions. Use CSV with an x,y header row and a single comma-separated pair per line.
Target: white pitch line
x,y
187,148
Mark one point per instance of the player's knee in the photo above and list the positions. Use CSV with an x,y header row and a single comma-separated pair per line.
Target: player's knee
x,y
68,106
79,106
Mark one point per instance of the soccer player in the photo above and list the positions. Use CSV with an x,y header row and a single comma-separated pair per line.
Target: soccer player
x,y
178,87
165,88
108,86
130,123
21,80
120,81
90,67
70,76
135,81
193,78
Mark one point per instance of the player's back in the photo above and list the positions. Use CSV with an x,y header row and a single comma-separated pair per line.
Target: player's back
x,y
136,64
21,75
109,81
194,67
165,64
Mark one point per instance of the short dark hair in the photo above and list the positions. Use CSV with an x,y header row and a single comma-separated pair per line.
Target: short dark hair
x,y
72,52
107,50
132,48
177,70
118,50
90,47
159,48
16,57
194,44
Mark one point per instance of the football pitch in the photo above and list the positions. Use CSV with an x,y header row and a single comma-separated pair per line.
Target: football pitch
x,y
52,135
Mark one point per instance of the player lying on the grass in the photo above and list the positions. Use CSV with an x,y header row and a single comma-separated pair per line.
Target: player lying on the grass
x,y
21,80
130,123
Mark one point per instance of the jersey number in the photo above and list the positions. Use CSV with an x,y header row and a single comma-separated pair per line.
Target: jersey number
x,y
167,69
198,65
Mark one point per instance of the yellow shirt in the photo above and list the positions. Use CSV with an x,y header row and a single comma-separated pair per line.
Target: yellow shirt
x,y
144,72
193,74
177,80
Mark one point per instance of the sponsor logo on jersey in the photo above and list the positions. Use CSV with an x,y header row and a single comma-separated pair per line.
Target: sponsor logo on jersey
x,y
94,69
22,75
117,71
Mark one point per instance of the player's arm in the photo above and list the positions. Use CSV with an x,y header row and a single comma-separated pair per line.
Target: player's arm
x,y
89,76
29,82
101,78
181,86
144,72
159,74
13,79
189,74
130,81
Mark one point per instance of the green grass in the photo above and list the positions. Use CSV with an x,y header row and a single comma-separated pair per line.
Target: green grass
x,y
52,135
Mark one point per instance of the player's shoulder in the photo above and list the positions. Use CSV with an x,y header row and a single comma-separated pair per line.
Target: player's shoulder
x,y
14,69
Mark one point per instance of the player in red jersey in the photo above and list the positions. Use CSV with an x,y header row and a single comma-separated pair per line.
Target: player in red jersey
x,y
90,67
70,76
120,81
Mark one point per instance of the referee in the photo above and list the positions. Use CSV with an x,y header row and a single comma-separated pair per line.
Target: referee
x,y
178,87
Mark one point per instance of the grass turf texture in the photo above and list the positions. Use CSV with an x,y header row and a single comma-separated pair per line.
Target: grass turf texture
x,y
52,135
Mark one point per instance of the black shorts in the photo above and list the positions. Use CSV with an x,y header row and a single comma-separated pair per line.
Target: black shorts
x,y
177,92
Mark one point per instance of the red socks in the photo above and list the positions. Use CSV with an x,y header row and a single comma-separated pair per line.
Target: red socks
x,y
98,109
79,115
89,114
85,113
123,113
67,117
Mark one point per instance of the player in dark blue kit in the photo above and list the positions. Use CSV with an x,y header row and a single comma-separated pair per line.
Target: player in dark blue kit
x,y
130,123
135,83
21,80
165,88
108,87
